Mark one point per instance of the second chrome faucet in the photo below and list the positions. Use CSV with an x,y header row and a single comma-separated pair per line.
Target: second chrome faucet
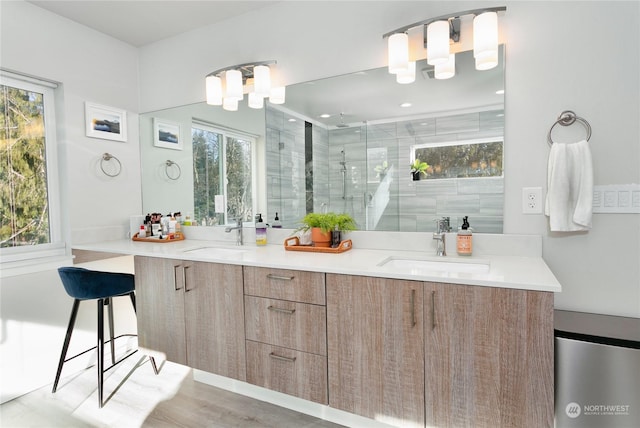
x,y
442,227
238,228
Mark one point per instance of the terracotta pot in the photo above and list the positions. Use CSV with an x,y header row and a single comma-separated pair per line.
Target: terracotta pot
x,y
320,238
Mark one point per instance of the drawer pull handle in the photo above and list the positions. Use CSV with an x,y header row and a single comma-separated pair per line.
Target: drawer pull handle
x,y
280,277
433,310
175,278
283,310
413,308
281,358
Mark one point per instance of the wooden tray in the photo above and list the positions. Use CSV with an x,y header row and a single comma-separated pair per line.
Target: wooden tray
x,y
159,241
293,244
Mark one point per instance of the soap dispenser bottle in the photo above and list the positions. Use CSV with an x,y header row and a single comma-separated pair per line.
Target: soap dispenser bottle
x,y
464,239
261,231
276,222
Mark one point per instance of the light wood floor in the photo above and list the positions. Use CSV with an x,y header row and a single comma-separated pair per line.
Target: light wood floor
x,y
135,397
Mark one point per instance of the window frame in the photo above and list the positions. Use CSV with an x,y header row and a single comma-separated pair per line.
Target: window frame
x,y
233,133
500,139
56,247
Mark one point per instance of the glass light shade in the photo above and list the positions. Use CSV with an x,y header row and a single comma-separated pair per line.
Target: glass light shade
x,y
277,95
446,70
230,104
438,42
398,46
485,40
262,80
214,90
408,76
234,84
255,100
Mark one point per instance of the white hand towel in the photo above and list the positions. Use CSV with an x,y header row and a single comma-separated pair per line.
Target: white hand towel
x,y
569,187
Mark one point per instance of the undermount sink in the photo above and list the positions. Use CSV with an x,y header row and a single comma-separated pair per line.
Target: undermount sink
x,y
418,266
217,251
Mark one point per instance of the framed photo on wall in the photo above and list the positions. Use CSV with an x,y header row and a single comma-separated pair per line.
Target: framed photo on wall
x,y
167,134
104,122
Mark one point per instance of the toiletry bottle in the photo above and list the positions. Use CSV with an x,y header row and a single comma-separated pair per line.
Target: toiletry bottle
x,y
276,222
261,231
143,232
464,239
336,237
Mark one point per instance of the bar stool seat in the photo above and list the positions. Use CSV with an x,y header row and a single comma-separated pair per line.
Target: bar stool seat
x,y
84,284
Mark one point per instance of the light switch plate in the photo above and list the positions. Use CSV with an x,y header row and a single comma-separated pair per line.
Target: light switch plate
x,y
616,198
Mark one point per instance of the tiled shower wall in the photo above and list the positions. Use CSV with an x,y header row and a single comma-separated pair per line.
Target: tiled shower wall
x,y
413,205
287,172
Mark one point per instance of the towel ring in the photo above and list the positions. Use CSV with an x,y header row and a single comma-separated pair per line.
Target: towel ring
x,y
107,157
567,118
168,164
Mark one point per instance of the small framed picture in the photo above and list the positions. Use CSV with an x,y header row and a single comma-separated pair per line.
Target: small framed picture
x,y
166,134
104,122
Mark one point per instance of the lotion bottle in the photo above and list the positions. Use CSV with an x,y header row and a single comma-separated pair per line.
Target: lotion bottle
x,y
261,231
464,240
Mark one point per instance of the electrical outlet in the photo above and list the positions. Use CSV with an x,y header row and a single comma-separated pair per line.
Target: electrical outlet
x,y
532,200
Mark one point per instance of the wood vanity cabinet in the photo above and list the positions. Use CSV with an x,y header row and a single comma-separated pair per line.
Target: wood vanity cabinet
x,y
193,312
488,356
285,321
375,339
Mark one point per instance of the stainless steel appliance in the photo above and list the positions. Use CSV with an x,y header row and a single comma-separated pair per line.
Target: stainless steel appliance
x,y
597,371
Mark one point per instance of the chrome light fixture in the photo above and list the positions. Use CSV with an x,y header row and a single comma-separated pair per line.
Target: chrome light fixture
x,y
440,34
226,87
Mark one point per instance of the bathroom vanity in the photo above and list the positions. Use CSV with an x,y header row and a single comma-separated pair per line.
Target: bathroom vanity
x,y
388,336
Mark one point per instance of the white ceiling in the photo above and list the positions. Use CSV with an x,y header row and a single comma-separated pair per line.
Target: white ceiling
x,y
141,22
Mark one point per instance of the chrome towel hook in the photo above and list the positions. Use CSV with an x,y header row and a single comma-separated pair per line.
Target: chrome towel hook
x,y
568,118
108,157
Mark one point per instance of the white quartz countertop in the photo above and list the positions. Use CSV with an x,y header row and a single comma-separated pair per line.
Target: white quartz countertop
x,y
518,272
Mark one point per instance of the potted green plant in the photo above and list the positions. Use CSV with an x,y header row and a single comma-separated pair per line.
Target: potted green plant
x,y
418,168
323,224
381,170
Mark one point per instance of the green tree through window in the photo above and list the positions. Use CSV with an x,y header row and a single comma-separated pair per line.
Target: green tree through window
x,y
222,165
24,208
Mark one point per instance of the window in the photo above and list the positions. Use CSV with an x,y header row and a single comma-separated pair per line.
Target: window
x,y
461,159
223,178
29,209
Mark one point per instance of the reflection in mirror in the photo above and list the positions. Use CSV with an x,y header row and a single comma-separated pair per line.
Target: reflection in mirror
x,y
358,159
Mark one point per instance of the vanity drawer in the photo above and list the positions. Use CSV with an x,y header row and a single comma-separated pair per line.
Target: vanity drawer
x,y
293,325
295,285
291,372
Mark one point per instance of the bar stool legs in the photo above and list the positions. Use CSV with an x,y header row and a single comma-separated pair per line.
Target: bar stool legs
x,y
67,340
108,301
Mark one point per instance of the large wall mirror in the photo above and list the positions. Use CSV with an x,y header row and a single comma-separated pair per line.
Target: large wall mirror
x,y
341,144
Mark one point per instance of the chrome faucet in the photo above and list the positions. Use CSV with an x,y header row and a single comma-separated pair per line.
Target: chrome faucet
x,y
442,227
237,227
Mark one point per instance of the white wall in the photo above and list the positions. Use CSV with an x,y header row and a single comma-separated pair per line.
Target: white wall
x,y
557,59
90,67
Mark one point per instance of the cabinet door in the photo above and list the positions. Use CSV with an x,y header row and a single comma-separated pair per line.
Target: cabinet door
x,y
160,306
488,356
214,310
376,348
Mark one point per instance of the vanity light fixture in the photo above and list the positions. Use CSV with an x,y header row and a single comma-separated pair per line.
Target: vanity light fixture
x,y
407,76
227,86
439,34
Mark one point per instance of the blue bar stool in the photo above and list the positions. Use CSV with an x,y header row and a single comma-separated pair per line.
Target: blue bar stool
x,y
83,284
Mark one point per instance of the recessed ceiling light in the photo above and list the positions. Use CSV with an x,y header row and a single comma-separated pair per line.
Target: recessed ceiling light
x,y
292,120
500,92
500,115
325,115
405,105
424,124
